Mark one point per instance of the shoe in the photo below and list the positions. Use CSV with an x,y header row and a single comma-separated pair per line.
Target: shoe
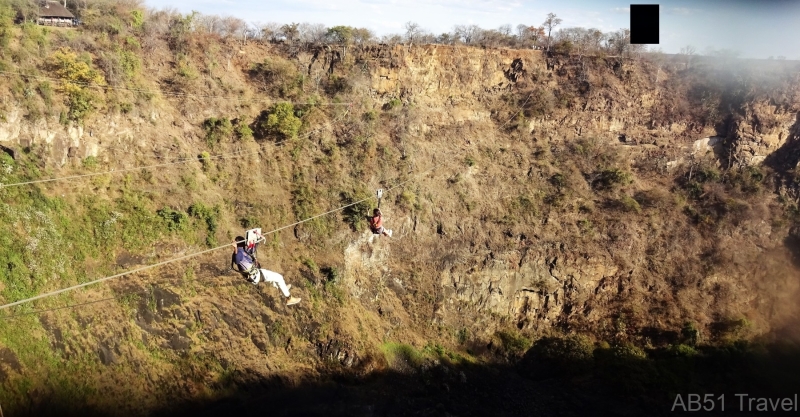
x,y
292,301
389,232
288,286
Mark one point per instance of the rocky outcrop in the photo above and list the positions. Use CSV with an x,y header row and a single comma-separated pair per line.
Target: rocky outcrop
x,y
762,130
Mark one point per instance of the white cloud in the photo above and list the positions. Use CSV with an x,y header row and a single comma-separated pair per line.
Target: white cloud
x,y
621,10
683,11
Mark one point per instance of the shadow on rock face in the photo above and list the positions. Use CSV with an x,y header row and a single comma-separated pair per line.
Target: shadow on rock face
x,y
792,243
786,158
557,377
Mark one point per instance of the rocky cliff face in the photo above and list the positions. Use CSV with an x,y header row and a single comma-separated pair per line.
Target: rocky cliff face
x,y
544,194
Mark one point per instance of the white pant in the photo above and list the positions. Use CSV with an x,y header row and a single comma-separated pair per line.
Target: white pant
x,y
275,278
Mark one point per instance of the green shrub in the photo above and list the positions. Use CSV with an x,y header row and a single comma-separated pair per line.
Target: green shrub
x,y
248,222
564,47
90,162
205,159
76,75
748,179
392,104
462,335
355,215
469,160
140,227
282,122
514,343
370,116
541,101
337,85
278,75
402,356
186,71
612,178
209,215
129,63
585,225
175,220
188,181
217,130
558,357
707,175
46,91
310,264
243,131
690,334
558,180
681,350
628,204
6,26
407,200
137,19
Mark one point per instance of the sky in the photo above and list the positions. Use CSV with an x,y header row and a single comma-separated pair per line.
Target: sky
x,y
754,28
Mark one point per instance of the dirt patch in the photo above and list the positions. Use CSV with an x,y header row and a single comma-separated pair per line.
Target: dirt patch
x,y
8,358
8,361
107,356
126,260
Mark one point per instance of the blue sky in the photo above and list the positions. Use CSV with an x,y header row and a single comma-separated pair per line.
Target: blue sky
x,y
756,28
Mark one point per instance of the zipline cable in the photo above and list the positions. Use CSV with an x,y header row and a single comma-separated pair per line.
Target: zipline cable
x,y
182,161
180,258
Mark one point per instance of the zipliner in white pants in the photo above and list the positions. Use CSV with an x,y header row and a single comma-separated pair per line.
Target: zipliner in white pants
x,y
275,278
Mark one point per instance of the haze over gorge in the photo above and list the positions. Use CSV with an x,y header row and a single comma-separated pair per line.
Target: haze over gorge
x,y
576,232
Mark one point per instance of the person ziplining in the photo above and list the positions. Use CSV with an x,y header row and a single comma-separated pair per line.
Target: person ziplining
x,y
244,260
376,220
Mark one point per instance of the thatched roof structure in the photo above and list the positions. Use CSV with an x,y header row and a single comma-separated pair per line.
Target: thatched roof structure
x,y
53,9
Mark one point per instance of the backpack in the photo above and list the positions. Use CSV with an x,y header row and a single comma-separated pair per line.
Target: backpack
x,y
244,261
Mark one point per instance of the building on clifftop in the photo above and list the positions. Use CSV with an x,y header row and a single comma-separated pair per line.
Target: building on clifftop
x,y
52,13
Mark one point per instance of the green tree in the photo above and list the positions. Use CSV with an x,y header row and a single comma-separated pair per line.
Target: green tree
x,y
290,31
76,75
340,34
282,121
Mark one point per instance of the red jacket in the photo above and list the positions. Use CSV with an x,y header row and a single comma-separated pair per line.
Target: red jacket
x,y
376,222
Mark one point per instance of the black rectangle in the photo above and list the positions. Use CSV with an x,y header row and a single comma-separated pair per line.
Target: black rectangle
x,y
644,24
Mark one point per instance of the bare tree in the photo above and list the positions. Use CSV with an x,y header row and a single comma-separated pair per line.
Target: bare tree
x,y
522,32
596,39
270,32
362,36
208,23
619,42
392,40
232,26
412,31
445,39
426,38
688,51
312,32
505,30
467,34
549,24
658,59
